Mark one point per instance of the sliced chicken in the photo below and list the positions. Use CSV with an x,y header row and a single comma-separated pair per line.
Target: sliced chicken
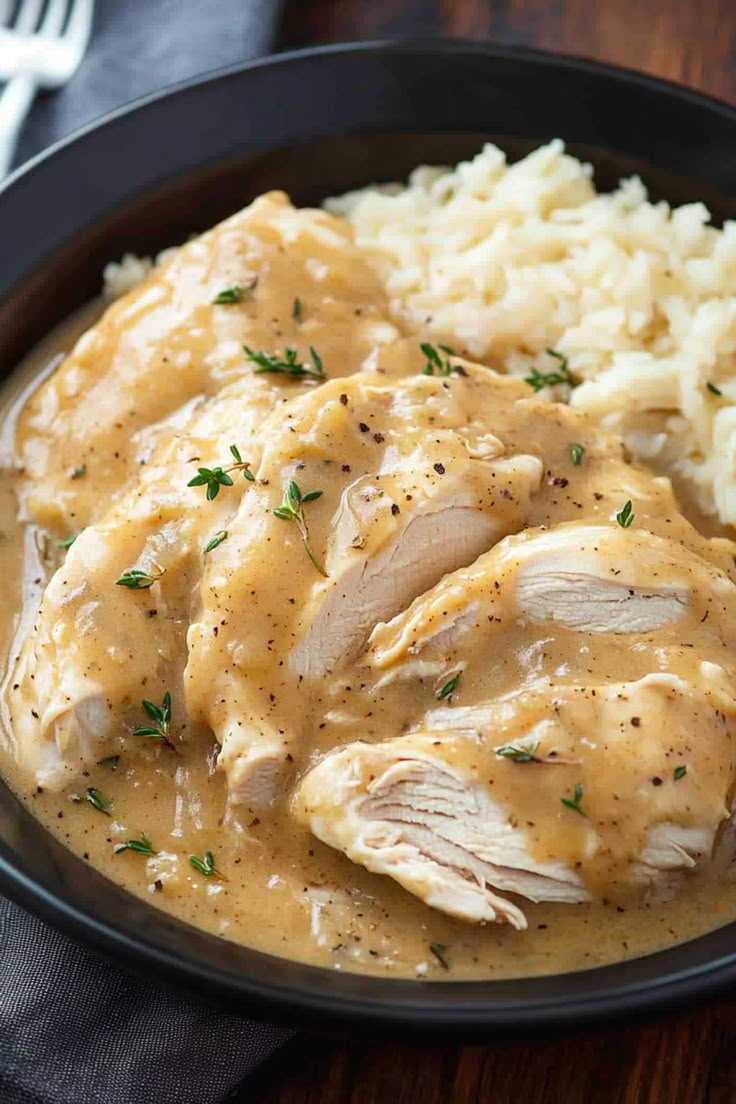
x,y
97,649
398,809
167,342
585,578
375,579
409,499
526,794
610,580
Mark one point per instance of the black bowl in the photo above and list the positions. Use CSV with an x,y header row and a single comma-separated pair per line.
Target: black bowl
x,y
316,123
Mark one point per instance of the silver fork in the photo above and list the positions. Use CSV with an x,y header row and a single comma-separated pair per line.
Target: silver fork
x,y
41,49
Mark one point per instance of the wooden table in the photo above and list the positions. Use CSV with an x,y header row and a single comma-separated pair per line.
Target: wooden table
x,y
687,1059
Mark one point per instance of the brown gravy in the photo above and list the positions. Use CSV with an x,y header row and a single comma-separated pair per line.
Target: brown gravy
x,y
288,894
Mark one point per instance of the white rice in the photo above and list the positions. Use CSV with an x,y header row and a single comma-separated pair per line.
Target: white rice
x,y
506,261
120,277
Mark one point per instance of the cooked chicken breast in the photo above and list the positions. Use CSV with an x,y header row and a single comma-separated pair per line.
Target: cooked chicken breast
x,y
399,809
584,578
168,342
527,794
98,648
412,495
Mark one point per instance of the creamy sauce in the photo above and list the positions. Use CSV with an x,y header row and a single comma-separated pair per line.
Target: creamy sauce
x,y
283,890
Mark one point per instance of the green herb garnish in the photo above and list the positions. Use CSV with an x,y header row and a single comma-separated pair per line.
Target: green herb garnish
x,y
714,390
679,772
439,364
287,365
79,472
98,801
537,380
296,310
625,516
111,762
292,509
213,542
448,688
574,803
439,950
141,846
135,579
214,478
235,294
162,716
519,753
67,542
576,454
207,866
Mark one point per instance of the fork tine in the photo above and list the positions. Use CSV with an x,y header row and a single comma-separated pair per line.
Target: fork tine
x,y
79,27
26,18
53,19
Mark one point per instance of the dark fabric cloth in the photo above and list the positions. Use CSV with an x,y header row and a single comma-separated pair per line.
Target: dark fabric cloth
x,y
76,1030
73,1028
141,46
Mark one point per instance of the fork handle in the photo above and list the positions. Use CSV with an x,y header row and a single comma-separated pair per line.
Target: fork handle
x,y
15,103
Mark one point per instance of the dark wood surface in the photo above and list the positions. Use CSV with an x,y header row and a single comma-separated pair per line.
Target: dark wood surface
x,y
686,1059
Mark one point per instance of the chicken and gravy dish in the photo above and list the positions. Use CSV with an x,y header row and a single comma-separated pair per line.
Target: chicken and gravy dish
x,y
343,633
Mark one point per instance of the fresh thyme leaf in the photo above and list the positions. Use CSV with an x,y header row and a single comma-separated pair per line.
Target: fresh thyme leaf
x,y
212,479
519,753
714,390
434,362
98,800
448,688
235,294
135,579
207,866
213,542
161,714
576,454
67,542
679,772
575,803
537,380
79,472
288,364
141,846
439,950
292,509
625,516
317,361
111,762
296,310
562,360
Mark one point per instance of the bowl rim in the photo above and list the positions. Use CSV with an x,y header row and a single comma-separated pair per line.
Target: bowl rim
x,y
409,44
443,1005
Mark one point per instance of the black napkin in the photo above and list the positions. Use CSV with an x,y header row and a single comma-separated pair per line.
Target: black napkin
x,y
74,1029
141,46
